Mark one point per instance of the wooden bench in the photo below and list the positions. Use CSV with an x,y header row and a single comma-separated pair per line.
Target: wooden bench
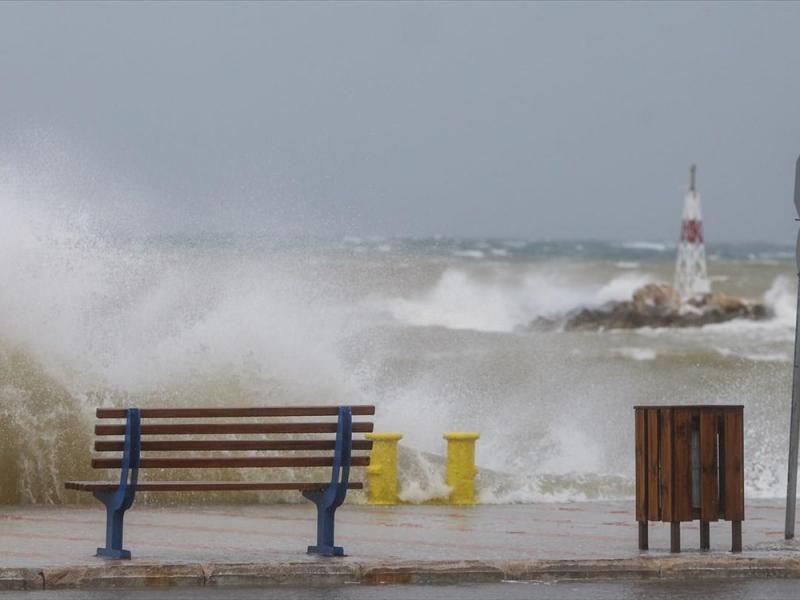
x,y
193,438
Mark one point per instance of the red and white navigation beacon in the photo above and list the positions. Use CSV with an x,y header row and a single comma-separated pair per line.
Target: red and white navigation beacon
x,y
691,275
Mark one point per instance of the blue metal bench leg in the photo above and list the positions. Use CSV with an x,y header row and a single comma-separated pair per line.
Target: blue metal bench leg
x,y
114,522
325,522
331,498
121,499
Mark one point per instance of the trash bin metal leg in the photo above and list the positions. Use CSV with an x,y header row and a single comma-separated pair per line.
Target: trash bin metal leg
x,y
736,536
705,535
643,545
675,537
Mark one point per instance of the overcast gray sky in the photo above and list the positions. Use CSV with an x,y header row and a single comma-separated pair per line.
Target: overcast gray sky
x,y
534,120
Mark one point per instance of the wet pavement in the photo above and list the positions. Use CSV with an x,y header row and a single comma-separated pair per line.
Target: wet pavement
x,y
650,590
38,537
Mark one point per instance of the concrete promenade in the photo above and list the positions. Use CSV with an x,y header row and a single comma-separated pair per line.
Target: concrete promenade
x,y
53,547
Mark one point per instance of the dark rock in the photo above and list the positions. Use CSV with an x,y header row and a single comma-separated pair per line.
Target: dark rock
x,y
658,305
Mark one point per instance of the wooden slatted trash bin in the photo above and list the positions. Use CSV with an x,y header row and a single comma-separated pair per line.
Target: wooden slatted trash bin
x,y
690,466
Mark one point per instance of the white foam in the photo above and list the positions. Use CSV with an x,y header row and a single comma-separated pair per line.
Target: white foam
x,y
654,246
422,480
571,450
769,357
779,357
780,299
469,253
503,302
639,354
619,288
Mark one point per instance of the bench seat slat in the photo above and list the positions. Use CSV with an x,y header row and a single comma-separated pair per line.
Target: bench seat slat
x,y
229,428
202,486
265,411
229,462
231,445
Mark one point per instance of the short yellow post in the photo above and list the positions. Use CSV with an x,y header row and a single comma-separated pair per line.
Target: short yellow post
x,y
382,469
461,469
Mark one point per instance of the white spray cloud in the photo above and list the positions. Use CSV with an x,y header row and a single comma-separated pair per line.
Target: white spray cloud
x,y
502,303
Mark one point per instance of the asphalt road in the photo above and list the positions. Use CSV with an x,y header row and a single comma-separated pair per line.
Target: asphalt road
x,y
753,589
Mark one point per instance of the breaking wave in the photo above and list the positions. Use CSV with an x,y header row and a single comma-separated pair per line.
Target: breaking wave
x,y
502,301
86,321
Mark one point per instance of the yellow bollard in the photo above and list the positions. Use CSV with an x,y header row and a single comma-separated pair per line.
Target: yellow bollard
x,y
461,469
382,469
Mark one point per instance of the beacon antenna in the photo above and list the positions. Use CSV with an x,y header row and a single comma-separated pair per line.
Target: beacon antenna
x,y
691,274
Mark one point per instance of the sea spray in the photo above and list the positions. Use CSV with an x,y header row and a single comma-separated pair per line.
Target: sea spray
x,y
505,298
438,342
88,322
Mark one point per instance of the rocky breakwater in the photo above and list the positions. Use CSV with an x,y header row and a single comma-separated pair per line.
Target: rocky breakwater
x,y
658,305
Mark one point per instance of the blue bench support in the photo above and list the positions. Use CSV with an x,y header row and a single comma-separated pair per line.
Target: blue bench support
x,y
331,498
121,499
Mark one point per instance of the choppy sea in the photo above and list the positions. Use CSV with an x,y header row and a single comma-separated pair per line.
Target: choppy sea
x,y
435,332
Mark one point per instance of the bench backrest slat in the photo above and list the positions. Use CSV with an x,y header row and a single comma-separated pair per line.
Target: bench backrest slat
x,y
259,411
228,462
229,445
229,428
